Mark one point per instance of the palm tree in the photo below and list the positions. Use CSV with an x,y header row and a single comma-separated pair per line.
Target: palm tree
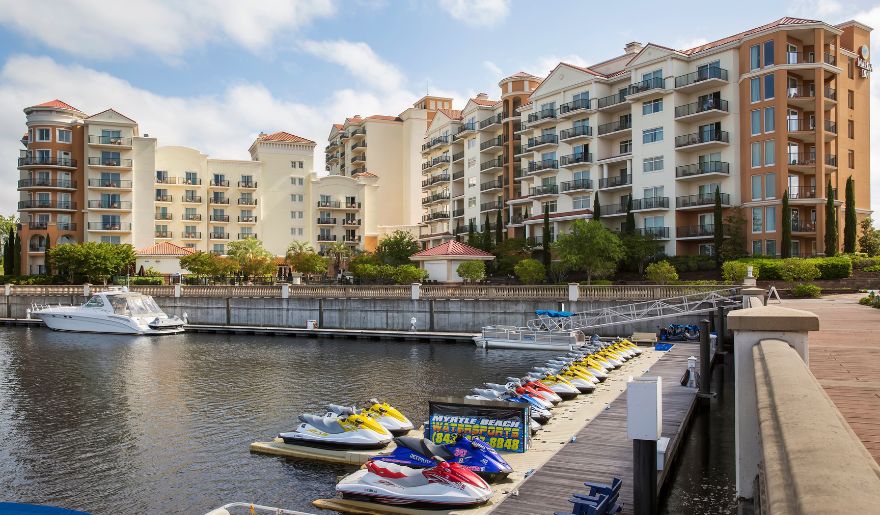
x,y
338,251
298,247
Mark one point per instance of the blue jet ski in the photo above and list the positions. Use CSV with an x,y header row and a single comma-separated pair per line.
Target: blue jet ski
x,y
473,454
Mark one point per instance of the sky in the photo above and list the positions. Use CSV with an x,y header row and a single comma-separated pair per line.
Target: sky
x,y
213,74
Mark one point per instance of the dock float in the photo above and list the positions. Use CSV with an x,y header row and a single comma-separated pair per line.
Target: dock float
x,y
277,447
357,334
372,508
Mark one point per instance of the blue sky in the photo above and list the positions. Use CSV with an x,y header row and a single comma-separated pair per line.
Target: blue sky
x,y
215,73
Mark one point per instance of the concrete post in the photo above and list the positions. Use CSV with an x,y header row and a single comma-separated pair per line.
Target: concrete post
x,y
574,292
705,359
285,291
720,328
87,290
178,290
415,292
8,288
750,326
758,293
296,278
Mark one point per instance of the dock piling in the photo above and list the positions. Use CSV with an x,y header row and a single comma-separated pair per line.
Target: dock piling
x,y
705,359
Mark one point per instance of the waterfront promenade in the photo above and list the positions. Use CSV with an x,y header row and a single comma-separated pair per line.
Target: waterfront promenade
x,y
843,358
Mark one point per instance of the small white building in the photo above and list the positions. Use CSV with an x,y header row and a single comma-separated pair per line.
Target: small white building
x,y
441,262
163,257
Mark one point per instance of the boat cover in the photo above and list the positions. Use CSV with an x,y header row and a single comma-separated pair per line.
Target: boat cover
x,y
553,314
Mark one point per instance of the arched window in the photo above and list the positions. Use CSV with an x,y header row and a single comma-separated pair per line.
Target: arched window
x,y
65,239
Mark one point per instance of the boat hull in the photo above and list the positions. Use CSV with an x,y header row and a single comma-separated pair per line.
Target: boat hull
x,y
499,343
70,322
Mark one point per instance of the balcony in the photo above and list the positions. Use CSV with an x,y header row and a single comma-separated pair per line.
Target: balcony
x,y
351,240
114,141
492,144
616,128
109,226
458,213
575,133
705,78
831,160
650,203
247,235
491,165
358,159
621,181
430,199
62,162
191,199
458,156
192,217
219,184
110,184
326,237
163,198
702,140
352,205
573,160
431,163
581,105
443,177
492,185
645,87
624,153
162,216
458,175
541,117
38,226
576,185
162,234
110,162
465,129
617,209
809,58
802,161
358,147
65,184
491,122
65,226
700,110
247,219
661,233
700,201
546,165
110,205
802,192
191,235
803,96
358,133
36,248
543,141
247,202
613,102
247,185
436,141
218,218
351,222
326,221
218,235
704,169
802,227
218,201
695,231
491,206
437,215
544,191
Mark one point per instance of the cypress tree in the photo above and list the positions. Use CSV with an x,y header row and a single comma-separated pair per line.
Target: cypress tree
x,y
46,255
7,252
630,226
471,241
849,217
499,234
786,226
597,210
16,256
830,223
487,234
458,231
546,236
718,227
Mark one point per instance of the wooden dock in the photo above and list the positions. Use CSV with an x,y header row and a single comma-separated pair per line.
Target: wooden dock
x,y
602,449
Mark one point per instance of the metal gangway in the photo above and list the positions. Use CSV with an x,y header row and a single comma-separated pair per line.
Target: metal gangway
x,y
693,304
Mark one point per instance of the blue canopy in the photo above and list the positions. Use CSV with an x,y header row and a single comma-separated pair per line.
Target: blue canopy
x,y
553,314
12,508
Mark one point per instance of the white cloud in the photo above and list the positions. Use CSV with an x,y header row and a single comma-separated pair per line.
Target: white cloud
x,y
493,68
101,29
544,65
477,13
685,44
816,9
360,60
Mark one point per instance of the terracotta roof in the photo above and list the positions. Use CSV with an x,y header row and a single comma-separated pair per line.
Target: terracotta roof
x,y
452,248
165,248
384,117
522,75
562,215
365,174
742,35
452,114
338,126
57,104
284,136
484,101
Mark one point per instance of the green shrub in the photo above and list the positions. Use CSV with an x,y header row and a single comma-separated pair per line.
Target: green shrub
x,y
806,290
872,268
861,262
798,270
661,272
837,267
472,271
694,263
138,280
530,271
701,282
601,282
408,274
734,272
767,269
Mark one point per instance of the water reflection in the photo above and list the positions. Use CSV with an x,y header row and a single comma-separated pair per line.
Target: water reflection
x,y
116,424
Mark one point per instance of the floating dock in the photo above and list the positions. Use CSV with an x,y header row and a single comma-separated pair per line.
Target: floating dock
x,y
277,447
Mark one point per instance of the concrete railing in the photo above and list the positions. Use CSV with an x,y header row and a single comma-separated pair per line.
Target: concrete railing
x,y
812,462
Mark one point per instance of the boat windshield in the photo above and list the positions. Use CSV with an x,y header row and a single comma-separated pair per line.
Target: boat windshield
x,y
95,302
134,305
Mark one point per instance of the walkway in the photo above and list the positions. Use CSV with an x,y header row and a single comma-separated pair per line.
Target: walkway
x,y
844,358
602,449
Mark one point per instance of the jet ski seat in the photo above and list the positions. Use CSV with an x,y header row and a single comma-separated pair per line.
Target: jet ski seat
x,y
327,424
402,476
424,447
342,410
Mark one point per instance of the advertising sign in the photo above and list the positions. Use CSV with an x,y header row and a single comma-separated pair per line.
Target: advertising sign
x,y
863,61
502,425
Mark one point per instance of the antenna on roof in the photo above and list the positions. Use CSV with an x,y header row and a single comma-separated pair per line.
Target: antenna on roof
x,y
426,87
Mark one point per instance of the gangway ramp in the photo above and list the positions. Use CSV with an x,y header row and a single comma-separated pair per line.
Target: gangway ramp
x,y
673,307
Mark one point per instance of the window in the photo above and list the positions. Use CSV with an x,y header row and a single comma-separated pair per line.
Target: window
x,y
769,152
769,119
652,135
44,135
768,53
652,192
770,186
652,106
707,249
64,136
771,247
756,154
757,221
770,219
850,99
769,90
849,68
653,164
472,181
626,146
756,248
756,187
581,202
851,158
472,162
754,57
850,129
551,205
472,201
111,239
756,122
296,164
755,89
472,142
191,177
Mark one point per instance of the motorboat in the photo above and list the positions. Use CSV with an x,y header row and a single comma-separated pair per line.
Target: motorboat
x,y
446,484
117,311
350,431
471,453
512,337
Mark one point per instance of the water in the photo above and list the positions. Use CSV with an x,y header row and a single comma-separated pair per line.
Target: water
x,y
117,424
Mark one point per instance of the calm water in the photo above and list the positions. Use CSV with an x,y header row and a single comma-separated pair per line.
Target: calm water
x,y
115,424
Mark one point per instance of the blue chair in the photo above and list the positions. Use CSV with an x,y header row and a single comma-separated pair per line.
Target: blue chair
x,y
599,506
601,500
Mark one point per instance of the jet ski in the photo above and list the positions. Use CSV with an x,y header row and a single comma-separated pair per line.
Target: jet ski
x,y
538,412
447,484
582,385
473,454
538,396
537,386
382,412
558,385
353,431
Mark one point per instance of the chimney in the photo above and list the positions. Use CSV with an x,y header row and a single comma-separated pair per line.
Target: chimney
x,y
632,47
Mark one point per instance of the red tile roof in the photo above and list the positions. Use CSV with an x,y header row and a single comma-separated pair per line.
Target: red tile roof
x,y
452,248
742,35
338,126
523,75
165,248
58,105
284,136
384,117
365,174
484,101
452,114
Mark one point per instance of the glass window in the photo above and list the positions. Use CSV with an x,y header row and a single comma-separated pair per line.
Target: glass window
x,y
44,135
755,89
581,202
768,53
754,57
769,119
757,221
756,248
769,90
770,218
756,154
652,106
771,248
756,121
756,187
769,152
653,164
770,186
64,136
652,135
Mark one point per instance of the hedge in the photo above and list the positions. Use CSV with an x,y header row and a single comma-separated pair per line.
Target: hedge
x,y
837,267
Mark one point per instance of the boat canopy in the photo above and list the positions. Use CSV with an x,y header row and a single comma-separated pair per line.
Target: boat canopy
x,y
553,314
128,304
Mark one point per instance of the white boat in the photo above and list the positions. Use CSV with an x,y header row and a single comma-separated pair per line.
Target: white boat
x,y
511,337
113,312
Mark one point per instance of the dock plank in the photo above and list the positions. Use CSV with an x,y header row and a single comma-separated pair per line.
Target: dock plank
x,y
603,450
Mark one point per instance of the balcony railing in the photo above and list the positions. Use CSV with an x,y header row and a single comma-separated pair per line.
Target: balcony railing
x,y
492,163
109,140
491,185
109,161
247,184
657,232
830,126
647,85
362,144
802,159
247,235
109,226
437,140
457,212
546,164
218,218
191,198
326,237
437,215
109,183
247,202
163,198
351,239
581,157
435,197
709,104
351,222
574,132
613,182
802,192
615,126
697,138
577,184
326,221
36,248
48,183
831,160
802,226
546,139
65,226
434,162
809,58
611,100
613,209
695,231
702,168
193,235
247,219
491,206
704,199
162,216
466,127
542,114
47,161
218,235
38,226
219,184
581,104
162,234
457,156
712,72
218,200
194,217
550,189
443,177
641,204
494,142
492,120
109,204
352,205
457,175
